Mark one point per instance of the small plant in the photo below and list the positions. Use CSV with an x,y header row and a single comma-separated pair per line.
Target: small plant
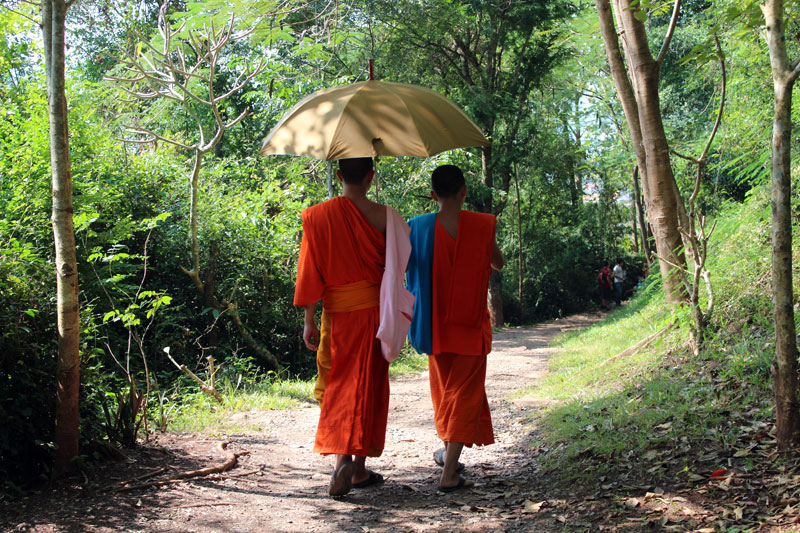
x,y
124,426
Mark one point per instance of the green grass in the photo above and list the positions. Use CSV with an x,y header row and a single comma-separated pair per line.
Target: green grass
x,y
196,411
409,362
249,391
609,414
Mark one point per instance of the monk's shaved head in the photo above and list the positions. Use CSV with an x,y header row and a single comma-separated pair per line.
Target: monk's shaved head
x,y
355,170
447,180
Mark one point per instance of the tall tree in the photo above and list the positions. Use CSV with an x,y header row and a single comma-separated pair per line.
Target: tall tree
x,y
640,100
784,75
68,377
185,71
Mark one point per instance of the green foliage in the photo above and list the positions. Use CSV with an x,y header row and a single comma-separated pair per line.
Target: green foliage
x,y
245,390
558,134
614,409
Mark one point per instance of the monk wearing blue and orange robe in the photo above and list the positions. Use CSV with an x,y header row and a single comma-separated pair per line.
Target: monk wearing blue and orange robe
x,y
453,253
342,257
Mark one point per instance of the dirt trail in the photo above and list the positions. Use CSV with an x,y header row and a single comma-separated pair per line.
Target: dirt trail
x,y
289,493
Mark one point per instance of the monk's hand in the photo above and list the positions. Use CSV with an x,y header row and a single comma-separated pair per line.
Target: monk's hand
x,y
311,335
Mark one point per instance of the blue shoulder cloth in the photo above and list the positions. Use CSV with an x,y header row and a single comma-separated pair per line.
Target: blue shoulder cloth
x,y
420,283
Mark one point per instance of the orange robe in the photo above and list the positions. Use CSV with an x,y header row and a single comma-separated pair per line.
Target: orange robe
x,y
462,331
342,263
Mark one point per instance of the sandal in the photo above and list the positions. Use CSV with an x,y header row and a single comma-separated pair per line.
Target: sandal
x,y
438,458
462,484
373,479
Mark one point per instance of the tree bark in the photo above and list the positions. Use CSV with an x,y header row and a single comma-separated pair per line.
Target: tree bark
x,y
519,252
643,111
67,317
787,410
637,201
495,300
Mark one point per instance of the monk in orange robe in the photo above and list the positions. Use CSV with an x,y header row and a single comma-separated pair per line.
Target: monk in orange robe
x,y
464,251
342,258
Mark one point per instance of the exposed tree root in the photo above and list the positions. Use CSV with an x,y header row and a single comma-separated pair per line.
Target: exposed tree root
x,y
227,464
641,344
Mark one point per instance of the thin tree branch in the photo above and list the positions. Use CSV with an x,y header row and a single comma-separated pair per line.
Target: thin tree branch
x,y
239,83
23,15
721,100
670,31
145,131
686,157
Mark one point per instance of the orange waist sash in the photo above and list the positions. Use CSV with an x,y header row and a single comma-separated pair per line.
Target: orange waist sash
x,y
351,297
340,299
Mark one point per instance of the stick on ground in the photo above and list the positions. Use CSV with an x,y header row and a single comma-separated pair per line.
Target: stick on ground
x,y
227,464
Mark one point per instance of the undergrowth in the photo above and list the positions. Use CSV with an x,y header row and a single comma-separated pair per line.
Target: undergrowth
x,y
246,390
660,415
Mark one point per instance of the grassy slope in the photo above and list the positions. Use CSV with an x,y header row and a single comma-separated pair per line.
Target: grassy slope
x,y
662,416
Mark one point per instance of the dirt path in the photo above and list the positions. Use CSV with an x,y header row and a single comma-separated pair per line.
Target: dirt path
x,y
288,490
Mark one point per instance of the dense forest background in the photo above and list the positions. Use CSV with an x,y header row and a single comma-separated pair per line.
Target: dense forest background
x,y
533,75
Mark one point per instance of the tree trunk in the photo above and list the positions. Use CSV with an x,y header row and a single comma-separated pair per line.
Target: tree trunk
x,y
622,83
485,204
194,186
637,201
496,299
519,252
643,112
635,229
787,411
68,372
663,205
495,282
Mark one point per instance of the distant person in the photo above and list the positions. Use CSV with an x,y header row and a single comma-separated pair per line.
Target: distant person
x,y
453,253
347,248
604,282
618,275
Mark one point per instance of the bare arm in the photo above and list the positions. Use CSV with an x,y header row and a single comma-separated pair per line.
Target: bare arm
x,y
310,329
497,257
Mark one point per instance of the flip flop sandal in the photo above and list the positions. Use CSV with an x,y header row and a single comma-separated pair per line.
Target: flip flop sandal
x,y
373,479
438,458
462,484
342,479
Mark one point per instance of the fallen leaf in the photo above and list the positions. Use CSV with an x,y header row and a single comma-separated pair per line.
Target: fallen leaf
x,y
632,502
531,507
744,452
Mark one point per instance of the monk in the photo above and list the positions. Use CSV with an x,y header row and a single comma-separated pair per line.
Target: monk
x,y
453,252
342,258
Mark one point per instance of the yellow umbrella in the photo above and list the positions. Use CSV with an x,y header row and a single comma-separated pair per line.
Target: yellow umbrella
x,y
372,118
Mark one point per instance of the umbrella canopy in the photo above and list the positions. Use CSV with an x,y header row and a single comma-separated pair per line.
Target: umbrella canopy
x,y
372,118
